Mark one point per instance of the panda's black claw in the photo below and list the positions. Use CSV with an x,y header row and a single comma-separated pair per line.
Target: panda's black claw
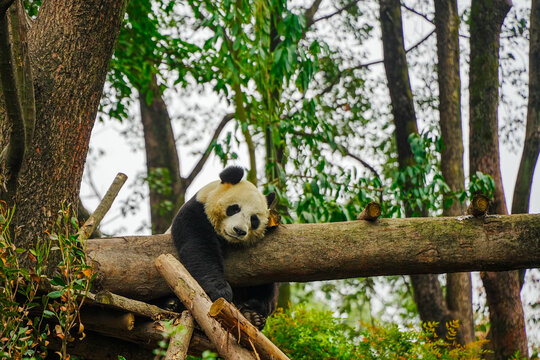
x,y
254,318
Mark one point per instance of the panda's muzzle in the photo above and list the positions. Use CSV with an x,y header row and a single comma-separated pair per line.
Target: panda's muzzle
x,y
239,232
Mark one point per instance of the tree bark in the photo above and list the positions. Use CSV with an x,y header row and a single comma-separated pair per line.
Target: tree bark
x,y
531,147
502,288
397,74
161,154
309,252
70,45
195,300
458,285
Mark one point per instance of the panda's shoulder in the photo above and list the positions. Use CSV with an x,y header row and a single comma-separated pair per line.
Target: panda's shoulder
x,y
191,217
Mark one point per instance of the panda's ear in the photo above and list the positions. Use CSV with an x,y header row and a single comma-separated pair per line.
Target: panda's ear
x,y
231,175
271,200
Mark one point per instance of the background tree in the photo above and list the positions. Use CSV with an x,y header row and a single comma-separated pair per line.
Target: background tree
x,y
427,291
458,287
502,288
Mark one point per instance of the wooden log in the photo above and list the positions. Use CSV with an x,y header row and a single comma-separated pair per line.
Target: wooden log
x,y
310,252
371,212
195,299
179,342
95,318
479,205
134,306
248,335
148,334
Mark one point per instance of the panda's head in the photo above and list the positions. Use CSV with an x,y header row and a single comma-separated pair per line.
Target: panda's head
x,y
237,210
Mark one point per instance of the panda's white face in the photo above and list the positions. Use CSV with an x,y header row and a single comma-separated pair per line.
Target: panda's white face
x,y
239,213
244,222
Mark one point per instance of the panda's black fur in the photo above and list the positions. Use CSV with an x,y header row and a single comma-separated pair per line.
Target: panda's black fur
x,y
201,233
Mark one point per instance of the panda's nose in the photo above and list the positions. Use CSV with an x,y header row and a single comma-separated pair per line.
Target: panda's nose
x,y
239,231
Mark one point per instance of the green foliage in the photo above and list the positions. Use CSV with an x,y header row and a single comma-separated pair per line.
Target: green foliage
x,y
306,333
159,181
23,333
72,281
143,50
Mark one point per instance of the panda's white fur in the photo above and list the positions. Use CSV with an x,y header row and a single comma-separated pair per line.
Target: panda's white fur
x,y
218,196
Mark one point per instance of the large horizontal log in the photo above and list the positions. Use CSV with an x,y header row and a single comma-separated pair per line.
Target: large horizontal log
x,y
309,252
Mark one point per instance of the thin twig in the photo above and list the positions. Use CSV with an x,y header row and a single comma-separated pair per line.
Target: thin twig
x,y
204,157
338,11
309,13
103,207
424,16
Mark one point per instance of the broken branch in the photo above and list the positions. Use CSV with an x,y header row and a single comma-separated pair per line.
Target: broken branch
x,y
179,343
248,335
371,212
479,205
93,221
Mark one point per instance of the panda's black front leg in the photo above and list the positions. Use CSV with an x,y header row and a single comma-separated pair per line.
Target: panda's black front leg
x,y
204,260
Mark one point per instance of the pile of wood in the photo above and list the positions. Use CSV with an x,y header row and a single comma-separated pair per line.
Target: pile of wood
x,y
219,327
116,325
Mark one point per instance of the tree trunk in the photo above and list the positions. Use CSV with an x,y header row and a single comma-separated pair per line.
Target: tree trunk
x,y
502,289
162,161
458,287
397,74
309,252
531,148
70,44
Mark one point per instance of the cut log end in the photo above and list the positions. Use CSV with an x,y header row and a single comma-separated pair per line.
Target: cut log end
x,y
479,205
371,212
217,307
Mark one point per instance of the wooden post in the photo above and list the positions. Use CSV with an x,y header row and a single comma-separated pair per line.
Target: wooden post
x,y
479,205
248,335
195,299
371,212
179,342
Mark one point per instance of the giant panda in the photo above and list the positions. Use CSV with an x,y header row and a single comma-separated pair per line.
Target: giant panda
x,y
227,212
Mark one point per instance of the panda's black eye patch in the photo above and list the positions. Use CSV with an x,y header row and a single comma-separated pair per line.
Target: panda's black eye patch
x,y
255,222
232,209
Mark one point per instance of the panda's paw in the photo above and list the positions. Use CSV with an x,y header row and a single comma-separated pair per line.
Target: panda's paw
x,y
221,291
254,318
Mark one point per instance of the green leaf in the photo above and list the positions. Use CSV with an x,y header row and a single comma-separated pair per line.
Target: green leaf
x,y
55,294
